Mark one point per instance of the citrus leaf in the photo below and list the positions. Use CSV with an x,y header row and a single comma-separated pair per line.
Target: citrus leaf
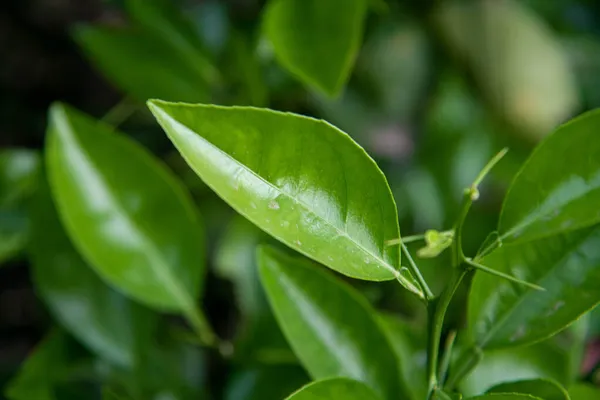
x,y
299,179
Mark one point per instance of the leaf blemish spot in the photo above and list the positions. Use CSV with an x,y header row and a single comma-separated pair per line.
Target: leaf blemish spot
x,y
273,205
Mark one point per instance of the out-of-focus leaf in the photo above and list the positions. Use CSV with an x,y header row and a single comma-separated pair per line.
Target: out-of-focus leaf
x,y
125,212
332,329
542,388
299,179
259,337
245,71
394,63
235,260
584,391
525,74
171,370
549,197
265,383
18,173
498,366
502,313
104,320
410,349
211,21
335,388
167,23
141,65
44,369
14,232
317,40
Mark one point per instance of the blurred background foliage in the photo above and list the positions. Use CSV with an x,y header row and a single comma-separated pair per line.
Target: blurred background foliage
x,y
436,89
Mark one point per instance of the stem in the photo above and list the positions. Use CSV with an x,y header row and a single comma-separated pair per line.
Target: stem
x,y
415,271
488,167
502,275
200,325
405,239
437,309
436,323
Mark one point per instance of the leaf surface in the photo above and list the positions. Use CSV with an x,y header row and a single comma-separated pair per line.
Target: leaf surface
x,y
301,180
104,320
542,388
502,313
125,212
331,328
558,188
317,40
336,388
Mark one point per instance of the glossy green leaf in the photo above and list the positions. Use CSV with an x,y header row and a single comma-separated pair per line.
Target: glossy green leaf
x,y
168,24
505,396
265,383
126,213
335,388
584,391
542,360
104,320
332,329
502,313
141,65
542,388
549,197
301,180
317,40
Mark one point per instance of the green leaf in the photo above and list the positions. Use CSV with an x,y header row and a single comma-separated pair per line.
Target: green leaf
x,y
104,320
14,232
541,360
331,328
141,65
547,197
42,371
317,40
18,176
168,24
505,396
584,391
299,179
542,388
335,388
502,313
125,212
265,383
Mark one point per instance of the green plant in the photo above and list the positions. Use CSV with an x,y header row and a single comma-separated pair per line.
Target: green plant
x,y
118,246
